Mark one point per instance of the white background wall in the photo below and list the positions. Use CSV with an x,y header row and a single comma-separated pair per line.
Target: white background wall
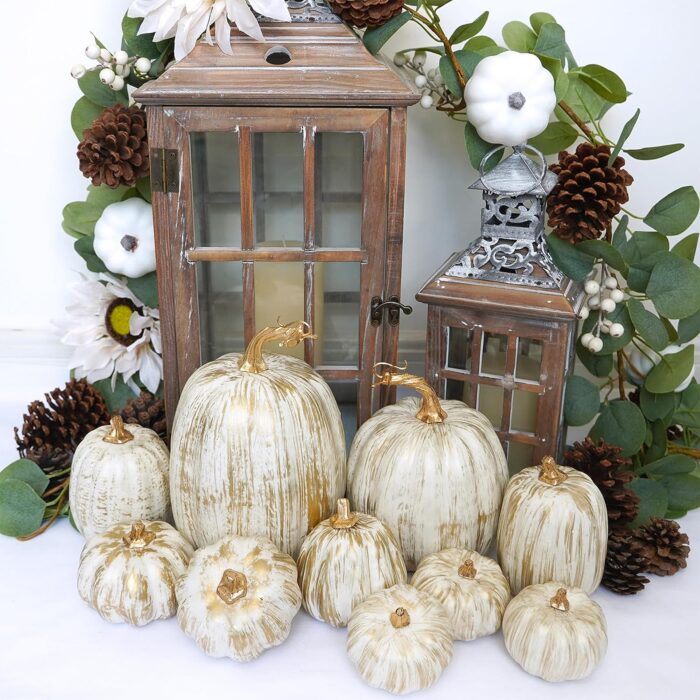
x,y
652,45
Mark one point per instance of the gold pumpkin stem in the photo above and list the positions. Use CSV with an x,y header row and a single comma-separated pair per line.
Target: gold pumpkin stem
x,y
467,569
118,435
232,587
400,618
288,336
559,601
550,472
344,518
138,537
430,411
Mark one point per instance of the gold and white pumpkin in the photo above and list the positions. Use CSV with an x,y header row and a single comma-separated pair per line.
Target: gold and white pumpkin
x,y
553,527
118,475
400,639
257,446
471,587
434,471
238,597
555,632
343,560
128,573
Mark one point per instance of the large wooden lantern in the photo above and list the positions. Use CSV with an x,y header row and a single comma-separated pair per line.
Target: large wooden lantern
x,y
502,318
278,185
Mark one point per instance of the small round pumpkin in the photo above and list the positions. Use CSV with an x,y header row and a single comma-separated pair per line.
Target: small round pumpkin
x,y
434,471
555,632
344,559
128,573
471,587
118,475
553,527
400,639
238,597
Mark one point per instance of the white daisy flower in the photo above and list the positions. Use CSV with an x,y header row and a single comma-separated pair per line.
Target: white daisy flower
x,y
113,333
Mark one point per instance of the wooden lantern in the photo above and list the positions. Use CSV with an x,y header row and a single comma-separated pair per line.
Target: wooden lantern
x,y
278,186
502,318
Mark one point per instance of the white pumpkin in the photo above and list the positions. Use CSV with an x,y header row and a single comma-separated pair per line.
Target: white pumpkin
x,y
128,573
118,475
124,238
553,527
643,362
344,559
555,632
238,597
257,447
434,471
510,98
471,587
400,639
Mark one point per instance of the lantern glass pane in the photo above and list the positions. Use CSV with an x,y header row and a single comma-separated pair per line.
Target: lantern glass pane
x,y
490,403
278,189
523,418
519,456
336,321
338,189
220,290
493,355
455,389
345,393
459,348
528,363
216,189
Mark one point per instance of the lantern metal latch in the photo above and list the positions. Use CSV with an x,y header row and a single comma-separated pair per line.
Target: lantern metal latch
x,y
394,308
165,170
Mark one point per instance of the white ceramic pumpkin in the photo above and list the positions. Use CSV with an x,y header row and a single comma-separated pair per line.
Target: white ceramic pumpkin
x,y
344,559
124,239
471,587
257,447
434,471
118,475
238,597
400,639
128,573
555,632
553,527
643,362
510,98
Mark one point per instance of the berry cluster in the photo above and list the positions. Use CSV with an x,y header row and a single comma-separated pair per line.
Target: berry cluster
x,y
602,298
428,81
114,67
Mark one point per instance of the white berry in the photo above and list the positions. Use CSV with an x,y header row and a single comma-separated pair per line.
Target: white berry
x,y
584,313
604,329
78,71
93,52
105,55
399,60
426,101
107,76
419,58
586,339
117,84
611,282
592,287
593,302
596,345
617,330
121,58
421,81
617,295
608,305
143,65
438,79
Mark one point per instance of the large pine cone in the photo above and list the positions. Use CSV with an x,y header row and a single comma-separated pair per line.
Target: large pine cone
x,y
114,150
366,13
663,546
147,410
624,563
588,193
609,472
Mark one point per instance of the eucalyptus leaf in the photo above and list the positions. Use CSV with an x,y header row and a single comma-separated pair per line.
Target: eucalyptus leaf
x,y
619,237
604,82
375,37
551,41
620,423
102,196
115,398
85,248
539,18
519,37
624,135
79,218
641,246
467,31
683,491
21,509
675,212
604,251
136,44
674,286
657,406
558,136
27,471
689,327
98,93
648,325
83,115
686,247
581,400
477,148
582,99
653,500
483,45
657,444
654,152
670,371
569,259
145,288
143,187
597,365
671,464
688,411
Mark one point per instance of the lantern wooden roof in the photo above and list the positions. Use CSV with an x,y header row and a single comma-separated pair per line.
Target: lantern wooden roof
x,y
329,67
497,297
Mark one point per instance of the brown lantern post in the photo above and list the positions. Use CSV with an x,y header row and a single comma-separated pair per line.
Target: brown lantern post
x,y
278,187
502,318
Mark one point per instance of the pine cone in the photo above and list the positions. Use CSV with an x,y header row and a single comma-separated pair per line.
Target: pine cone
x,y
588,193
609,472
663,546
147,410
366,13
624,563
114,150
51,431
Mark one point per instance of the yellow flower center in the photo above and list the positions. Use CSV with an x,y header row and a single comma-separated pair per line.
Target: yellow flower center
x,y
119,318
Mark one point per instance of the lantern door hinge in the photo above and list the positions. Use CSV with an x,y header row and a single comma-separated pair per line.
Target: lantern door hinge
x,y
165,170
394,308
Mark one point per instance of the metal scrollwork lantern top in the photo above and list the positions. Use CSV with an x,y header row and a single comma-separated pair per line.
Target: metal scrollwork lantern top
x,y
512,246
311,11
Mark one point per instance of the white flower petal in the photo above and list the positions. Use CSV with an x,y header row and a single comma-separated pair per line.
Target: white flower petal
x,y
189,29
223,34
274,9
151,371
244,19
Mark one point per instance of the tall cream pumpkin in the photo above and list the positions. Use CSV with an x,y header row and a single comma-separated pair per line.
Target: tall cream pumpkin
x,y
434,471
257,446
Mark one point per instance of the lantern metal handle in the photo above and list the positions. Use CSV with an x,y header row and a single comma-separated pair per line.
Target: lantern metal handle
x,y
538,176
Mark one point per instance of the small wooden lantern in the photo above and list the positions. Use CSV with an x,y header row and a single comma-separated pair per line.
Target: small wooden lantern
x,y
502,318
278,186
